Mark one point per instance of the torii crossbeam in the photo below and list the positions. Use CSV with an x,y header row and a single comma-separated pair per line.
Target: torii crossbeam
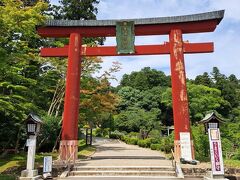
x,y
188,48
176,47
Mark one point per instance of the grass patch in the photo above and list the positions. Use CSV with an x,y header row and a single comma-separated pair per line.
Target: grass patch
x,y
17,160
11,164
7,177
84,150
232,163
12,160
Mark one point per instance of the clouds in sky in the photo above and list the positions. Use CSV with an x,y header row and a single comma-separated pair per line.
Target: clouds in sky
x,y
226,37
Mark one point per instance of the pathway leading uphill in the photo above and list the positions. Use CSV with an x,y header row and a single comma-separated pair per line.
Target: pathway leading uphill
x,y
115,160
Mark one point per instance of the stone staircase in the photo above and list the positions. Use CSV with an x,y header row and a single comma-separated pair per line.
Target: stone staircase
x,y
115,160
147,172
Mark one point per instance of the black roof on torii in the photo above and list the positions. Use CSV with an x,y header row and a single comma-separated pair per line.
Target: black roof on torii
x,y
194,23
157,20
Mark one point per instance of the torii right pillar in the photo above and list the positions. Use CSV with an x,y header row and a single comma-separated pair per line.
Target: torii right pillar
x,y
179,93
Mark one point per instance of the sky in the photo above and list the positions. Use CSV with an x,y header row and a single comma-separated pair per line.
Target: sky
x,y
226,37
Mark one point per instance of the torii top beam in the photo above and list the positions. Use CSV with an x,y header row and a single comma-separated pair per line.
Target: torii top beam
x,y
195,23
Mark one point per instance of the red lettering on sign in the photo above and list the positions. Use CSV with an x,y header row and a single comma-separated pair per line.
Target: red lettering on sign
x,y
216,156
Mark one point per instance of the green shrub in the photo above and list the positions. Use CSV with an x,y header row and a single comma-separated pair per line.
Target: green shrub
x,y
133,141
133,134
141,143
155,146
155,140
167,144
155,134
237,155
227,148
98,132
130,140
146,143
105,132
125,139
116,135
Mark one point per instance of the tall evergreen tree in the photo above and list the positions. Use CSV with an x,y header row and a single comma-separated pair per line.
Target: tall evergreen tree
x,y
78,9
204,79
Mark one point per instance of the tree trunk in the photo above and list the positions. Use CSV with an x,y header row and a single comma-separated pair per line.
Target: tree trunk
x,y
57,140
57,98
59,104
18,138
53,99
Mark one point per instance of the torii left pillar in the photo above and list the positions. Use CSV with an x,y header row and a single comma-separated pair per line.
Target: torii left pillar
x,y
69,142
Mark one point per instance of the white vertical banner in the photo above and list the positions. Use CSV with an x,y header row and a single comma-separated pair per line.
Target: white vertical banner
x,y
216,151
185,142
47,164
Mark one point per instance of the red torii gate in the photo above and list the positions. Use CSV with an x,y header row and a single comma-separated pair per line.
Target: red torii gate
x,y
174,26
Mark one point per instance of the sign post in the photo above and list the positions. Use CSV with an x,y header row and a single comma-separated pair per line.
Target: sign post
x,y
47,166
185,141
216,154
211,122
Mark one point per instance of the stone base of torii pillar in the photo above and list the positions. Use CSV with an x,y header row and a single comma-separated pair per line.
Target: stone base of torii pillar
x,y
68,150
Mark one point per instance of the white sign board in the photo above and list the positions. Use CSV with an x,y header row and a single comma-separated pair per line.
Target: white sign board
x,y
47,164
185,142
216,151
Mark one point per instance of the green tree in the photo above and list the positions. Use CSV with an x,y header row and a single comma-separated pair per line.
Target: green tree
x,y
78,10
201,143
129,97
19,71
137,120
203,99
145,79
97,100
229,87
31,2
50,130
204,79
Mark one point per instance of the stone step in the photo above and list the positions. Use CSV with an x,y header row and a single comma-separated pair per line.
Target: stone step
x,y
122,178
123,168
129,157
122,173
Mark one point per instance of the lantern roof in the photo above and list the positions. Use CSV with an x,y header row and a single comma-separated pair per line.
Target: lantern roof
x,y
34,117
211,117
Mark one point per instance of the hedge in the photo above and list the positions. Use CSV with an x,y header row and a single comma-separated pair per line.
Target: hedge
x,y
155,146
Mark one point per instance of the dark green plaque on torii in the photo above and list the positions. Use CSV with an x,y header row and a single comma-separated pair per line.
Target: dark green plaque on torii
x,y
125,37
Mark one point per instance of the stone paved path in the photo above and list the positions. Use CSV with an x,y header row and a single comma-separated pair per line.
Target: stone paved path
x,y
116,153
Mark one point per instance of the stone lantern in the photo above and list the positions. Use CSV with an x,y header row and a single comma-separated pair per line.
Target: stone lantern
x,y
33,124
